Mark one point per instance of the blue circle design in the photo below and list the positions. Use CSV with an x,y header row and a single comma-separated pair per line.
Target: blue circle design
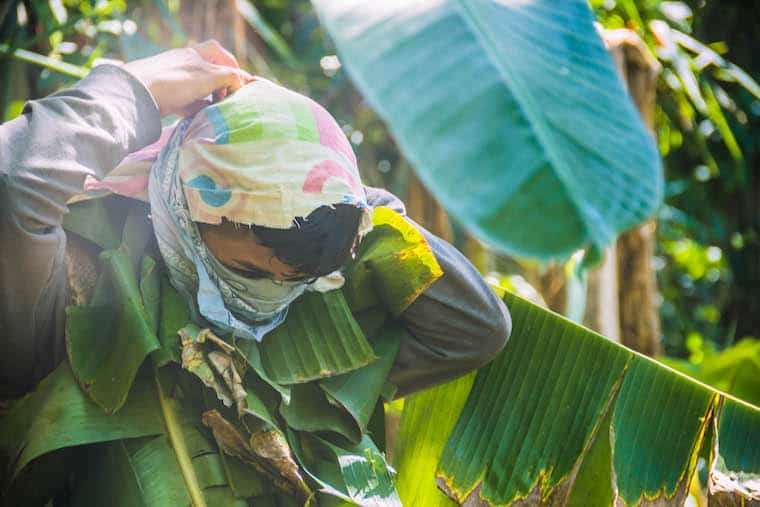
x,y
211,195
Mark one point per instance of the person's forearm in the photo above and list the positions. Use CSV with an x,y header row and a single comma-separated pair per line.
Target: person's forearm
x,y
48,151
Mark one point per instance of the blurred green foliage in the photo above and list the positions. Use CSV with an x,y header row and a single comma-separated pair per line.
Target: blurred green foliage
x,y
735,370
707,118
708,125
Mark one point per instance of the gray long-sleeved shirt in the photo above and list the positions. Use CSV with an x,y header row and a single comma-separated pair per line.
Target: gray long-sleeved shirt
x,y
457,324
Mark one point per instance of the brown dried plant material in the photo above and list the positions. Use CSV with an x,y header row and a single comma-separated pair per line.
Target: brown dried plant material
x,y
81,270
271,446
225,367
194,361
280,468
207,334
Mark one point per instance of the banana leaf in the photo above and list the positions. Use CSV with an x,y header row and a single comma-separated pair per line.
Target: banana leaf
x,y
564,416
108,342
320,338
174,314
511,112
58,414
358,391
183,466
310,410
356,474
98,220
427,419
735,465
393,265
153,444
735,370
343,405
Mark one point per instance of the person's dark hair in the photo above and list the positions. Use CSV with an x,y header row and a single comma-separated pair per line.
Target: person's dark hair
x,y
318,244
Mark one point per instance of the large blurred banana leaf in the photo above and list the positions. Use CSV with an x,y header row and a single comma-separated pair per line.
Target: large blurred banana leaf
x,y
564,416
511,112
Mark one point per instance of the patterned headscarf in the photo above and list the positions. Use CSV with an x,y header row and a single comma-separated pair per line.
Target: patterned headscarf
x,y
263,156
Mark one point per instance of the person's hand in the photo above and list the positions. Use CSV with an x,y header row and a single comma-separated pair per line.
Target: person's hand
x,y
180,79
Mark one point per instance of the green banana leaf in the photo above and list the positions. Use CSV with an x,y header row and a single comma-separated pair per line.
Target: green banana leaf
x,y
174,314
345,404
356,474
308,410
177,468
98,220
107,344
565,417
58,414
319,338
394,264
359,390
145,472
427,419
511,112
735,465
735,370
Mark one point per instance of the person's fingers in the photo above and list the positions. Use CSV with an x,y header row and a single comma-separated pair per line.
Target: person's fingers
x,y
247,78
213,52
228,80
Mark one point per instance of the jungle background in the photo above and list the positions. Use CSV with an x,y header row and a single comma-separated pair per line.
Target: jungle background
x,y
705,250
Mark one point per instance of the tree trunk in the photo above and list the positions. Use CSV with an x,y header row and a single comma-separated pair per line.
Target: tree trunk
x,y
637,283
602,313
215,19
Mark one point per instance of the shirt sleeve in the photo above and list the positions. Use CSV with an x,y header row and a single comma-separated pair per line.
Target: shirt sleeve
x,y
457,324
45,156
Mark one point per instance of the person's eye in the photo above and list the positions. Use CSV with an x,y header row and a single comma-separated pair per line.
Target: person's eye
x,y
251,272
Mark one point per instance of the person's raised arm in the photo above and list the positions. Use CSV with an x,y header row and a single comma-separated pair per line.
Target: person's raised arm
x,y
457,324
46,154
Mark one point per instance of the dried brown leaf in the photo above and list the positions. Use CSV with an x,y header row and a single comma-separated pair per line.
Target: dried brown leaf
x,y
225,367
283,471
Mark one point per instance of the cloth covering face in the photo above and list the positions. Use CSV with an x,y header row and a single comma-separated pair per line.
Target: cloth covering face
x,y
264,156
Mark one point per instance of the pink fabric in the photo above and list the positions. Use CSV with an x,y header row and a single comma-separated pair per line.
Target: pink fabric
x,y
330,134
150,152
318,175
131,186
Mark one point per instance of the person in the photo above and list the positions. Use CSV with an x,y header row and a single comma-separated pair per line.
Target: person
x,y
456,325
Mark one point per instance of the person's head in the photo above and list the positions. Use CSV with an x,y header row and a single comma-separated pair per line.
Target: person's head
x,y
252,199
314,246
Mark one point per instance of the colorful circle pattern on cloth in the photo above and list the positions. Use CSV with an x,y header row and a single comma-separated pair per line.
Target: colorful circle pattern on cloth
x,y
209,193
265,156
